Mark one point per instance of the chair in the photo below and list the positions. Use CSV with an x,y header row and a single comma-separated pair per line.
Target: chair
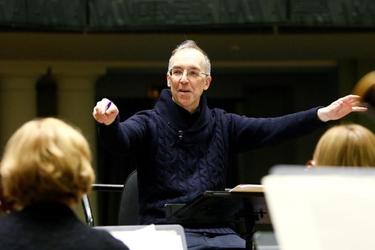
x,y
86,201
129,206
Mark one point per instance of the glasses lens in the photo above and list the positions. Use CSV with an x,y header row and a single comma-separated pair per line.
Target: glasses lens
x,y
190,73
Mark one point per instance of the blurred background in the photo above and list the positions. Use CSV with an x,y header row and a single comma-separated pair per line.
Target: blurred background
x,y
269,58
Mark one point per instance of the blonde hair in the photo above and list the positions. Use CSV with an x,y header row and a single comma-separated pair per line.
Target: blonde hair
x,y
365,88
346,145
190,44
46,159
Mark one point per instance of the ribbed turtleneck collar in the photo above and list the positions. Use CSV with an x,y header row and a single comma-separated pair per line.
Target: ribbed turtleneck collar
x,y
189,118
178,115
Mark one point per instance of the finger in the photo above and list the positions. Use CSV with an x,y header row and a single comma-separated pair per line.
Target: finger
x,y
351,98
95,111
99,118
358,103
100,110
110,112
354,100
359,109
102,105
354,103
108,105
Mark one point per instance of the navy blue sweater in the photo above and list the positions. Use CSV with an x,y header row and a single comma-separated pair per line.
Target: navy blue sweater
x,y
181,155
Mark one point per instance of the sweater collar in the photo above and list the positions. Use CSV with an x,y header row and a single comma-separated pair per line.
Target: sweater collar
x,y
179,117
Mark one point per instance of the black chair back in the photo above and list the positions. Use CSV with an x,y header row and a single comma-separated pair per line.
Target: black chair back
x,y
129,207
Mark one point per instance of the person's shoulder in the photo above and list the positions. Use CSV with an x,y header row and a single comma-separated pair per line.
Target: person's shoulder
x,y
222,114
218,111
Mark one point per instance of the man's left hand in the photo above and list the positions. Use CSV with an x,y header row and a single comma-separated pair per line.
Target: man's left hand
x,y
341,108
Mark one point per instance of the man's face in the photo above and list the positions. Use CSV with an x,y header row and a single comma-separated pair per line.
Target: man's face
x,y
187,78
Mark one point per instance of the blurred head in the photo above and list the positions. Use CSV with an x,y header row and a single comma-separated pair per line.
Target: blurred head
x,y
346,145
189,74
46,160
365,88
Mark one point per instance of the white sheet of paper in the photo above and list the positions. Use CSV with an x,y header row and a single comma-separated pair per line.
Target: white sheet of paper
x,y
149,238
322,212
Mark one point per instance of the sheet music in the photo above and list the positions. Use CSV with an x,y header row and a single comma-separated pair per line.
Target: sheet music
x,y
247,188
149,238
322,212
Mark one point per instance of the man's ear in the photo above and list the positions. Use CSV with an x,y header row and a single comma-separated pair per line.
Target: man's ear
x,y
168,81
207,83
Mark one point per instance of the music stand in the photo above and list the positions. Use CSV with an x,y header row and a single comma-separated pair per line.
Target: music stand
x,y
244,209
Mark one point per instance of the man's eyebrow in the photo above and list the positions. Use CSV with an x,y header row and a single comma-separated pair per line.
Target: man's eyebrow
x,y
188,67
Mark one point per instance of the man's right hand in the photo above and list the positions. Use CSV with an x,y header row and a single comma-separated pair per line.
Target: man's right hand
x,y
105,111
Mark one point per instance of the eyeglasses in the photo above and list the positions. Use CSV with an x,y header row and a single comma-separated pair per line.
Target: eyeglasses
x,y
191,74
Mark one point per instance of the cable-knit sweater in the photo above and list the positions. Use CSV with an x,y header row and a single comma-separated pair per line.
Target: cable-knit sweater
x,y
180,155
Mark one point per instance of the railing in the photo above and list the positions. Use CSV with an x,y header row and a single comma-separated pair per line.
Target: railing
x,y
107,187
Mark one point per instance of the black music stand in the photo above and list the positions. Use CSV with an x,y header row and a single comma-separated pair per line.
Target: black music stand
x,y
245,210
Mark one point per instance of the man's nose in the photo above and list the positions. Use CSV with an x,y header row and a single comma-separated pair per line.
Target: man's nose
x,y
184,77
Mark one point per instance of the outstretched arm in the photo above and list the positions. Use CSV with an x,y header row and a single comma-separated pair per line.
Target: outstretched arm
x,y
341,108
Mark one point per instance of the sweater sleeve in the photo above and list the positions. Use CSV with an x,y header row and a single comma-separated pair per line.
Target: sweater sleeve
x,y
250,133
123,137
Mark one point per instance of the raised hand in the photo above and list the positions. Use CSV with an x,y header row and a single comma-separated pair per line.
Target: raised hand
x,y
105,111
341,108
